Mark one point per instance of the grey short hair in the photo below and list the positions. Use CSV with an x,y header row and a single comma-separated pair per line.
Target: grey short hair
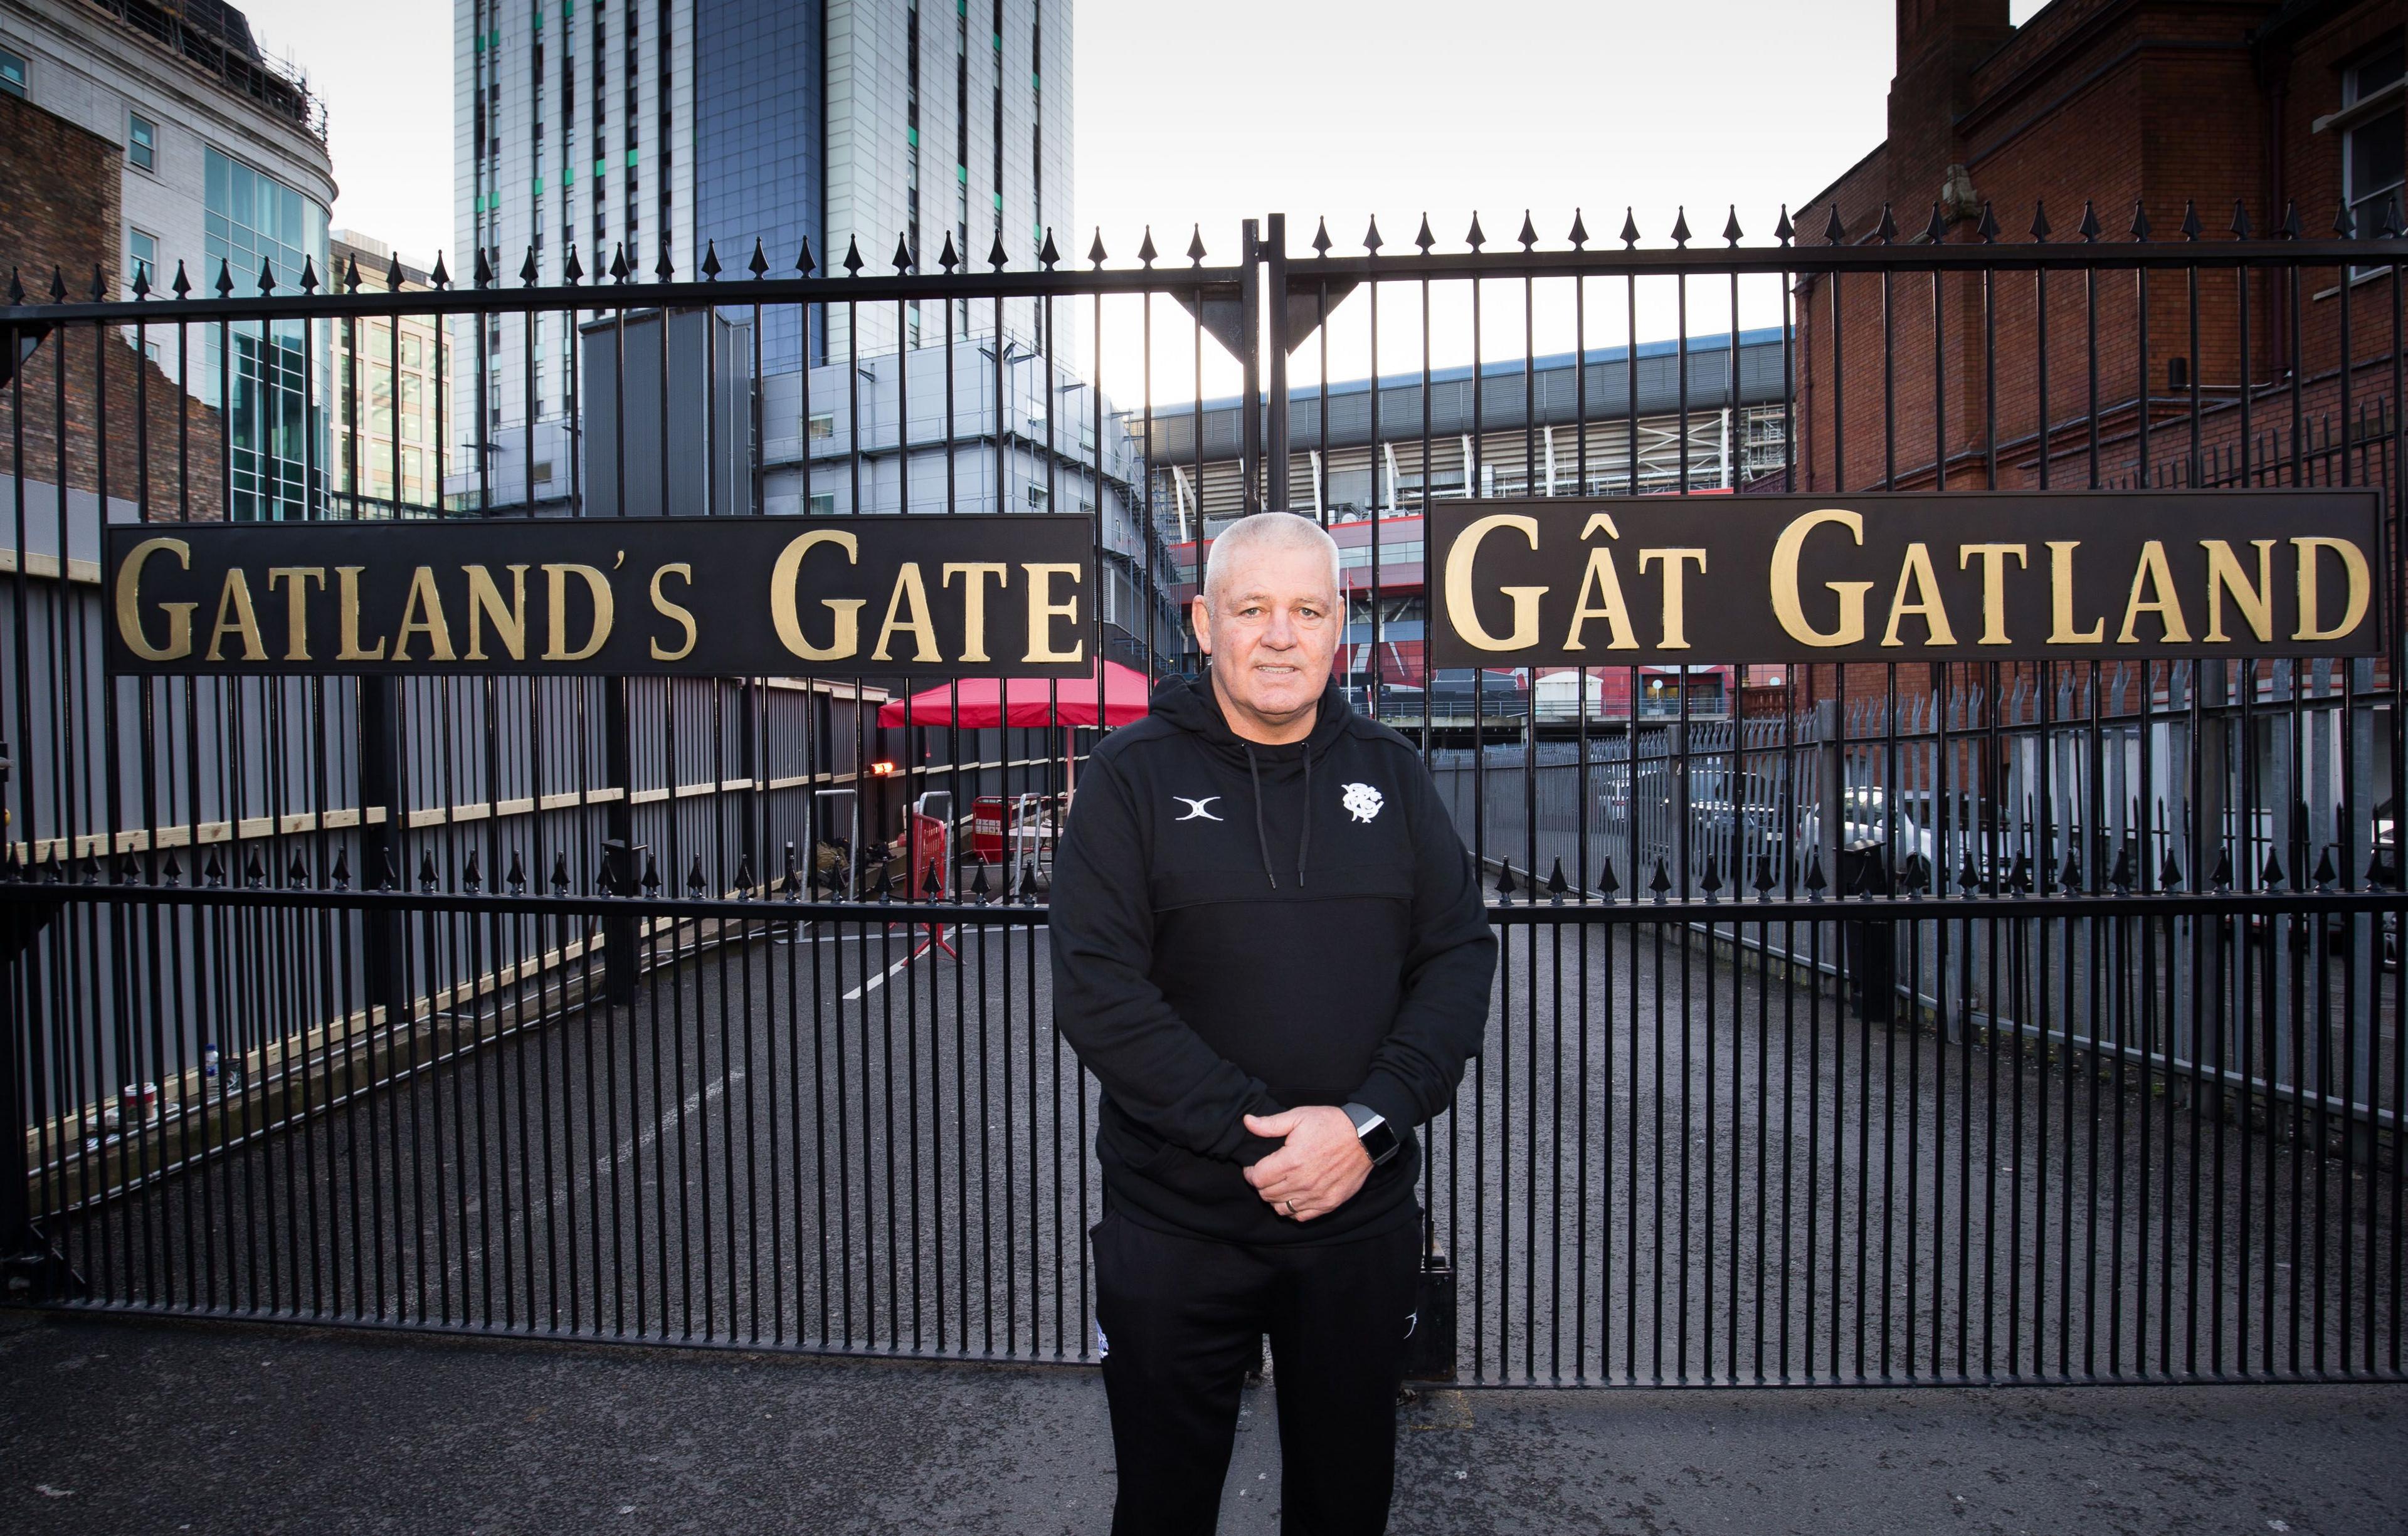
x,y
1264,531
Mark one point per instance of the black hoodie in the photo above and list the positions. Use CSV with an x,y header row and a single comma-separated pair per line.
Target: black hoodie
x,y
1241,929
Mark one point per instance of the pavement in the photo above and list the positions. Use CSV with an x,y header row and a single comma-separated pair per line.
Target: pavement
x,y
129,1426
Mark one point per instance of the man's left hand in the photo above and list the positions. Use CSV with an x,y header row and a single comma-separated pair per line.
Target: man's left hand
x,y
1320,1165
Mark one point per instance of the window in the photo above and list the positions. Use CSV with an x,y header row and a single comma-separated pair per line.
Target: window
x,y
409,407
823,503
823,427
141,142
413,350
2374,109
1037,498
12,73
144,250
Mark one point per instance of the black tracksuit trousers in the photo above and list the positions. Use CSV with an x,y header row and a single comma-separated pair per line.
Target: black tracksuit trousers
x,y
1182,1318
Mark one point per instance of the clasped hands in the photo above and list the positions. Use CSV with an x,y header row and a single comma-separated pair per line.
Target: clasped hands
x,y
1319,1166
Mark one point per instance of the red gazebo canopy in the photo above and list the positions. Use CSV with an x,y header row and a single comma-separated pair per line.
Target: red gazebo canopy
x,y
985,701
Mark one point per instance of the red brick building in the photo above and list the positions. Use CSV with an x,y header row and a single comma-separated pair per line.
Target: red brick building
x,y
59,210
2124,107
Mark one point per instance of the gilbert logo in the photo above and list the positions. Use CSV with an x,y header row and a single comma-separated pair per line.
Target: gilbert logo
x,y
1361,800
1196,807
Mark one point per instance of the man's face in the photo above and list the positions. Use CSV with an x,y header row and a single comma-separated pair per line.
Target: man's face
x,y
1270,635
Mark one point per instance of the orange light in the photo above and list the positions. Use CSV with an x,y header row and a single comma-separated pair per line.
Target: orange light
x,y
881,768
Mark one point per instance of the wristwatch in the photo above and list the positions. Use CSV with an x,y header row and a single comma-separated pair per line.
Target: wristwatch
x,y
1379,1138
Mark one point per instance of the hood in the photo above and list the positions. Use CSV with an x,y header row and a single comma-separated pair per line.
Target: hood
x,y
1189,704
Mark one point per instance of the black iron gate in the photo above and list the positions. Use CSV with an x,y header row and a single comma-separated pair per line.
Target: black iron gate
x,y
1895,1023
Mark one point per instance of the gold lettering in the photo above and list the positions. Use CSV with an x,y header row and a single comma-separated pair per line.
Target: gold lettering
x,y
421,613
667,609
1786,604
2174,628
909,588
2225,575
235,597
2060,598
1459,610
296,604
782,596
346,618
485,602
605,610
974,573
129,605
2353,562
1600,578
1916,568
1994,559
1676,634
1043,610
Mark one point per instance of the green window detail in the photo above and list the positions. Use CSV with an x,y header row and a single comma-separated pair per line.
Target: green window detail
x,y
569,176
480,202
1035,81
998,202
962,174
481,42
538,18
538,185
631,159
496,39
911,136
597,169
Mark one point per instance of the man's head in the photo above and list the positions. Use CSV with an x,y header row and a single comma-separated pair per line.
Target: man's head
x,y
1270,622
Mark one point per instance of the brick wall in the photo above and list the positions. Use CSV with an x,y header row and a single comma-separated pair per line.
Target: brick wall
x,y
59,209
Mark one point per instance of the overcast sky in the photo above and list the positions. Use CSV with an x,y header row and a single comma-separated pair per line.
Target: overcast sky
x,y
1210,114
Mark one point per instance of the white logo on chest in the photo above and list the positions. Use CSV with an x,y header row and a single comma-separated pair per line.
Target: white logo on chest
x,y
1361,800
1196,807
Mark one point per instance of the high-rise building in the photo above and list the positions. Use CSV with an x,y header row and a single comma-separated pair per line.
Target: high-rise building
x,y
393,392
224,168
645,130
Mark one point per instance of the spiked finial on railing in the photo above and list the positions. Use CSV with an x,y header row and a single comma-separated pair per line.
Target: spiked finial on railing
x,y
1047,256
226,280
1985,229
804,263
2190,227
744,881
128,871
2088,228
1886,231
1371,241
1505,882
516,881
214,873
528,272
142,282
2239,228
1711,881
1424,238
694,884
1578,236
2169,873
650,884
902,257
1473,237
2019,874
472,875
792,883
1321,241
2272,875
1630,235
759,265
308,274
1528,238
2291,230
16,284
1834,232
662,268
995,255
2040,221
931,886
341,875
1968,877
619,261
483,274
1764,882
1783,230
1095,253
570,267
2387,219
2069,879
171,876
2220,878
1145,252
1195,246
1607,882
427,880
1659,885
181,287
1935,231
1028,883
2343,226
392,278
560,873
979,888
2121,874
254,873
1815,882
711,261
2140,219
99,291
2326,876
949,258
1680,228
1556,884
1732,230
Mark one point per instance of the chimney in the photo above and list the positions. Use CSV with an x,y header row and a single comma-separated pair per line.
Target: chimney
x,y
1938,44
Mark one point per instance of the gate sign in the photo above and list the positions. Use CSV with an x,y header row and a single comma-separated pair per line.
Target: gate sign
x,y
934,596
1956,576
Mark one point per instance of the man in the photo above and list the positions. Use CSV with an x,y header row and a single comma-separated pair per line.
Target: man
x,y
1269,947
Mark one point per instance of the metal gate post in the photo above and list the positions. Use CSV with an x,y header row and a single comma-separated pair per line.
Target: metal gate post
x,y
1274,259
382,936
619,870
1250,415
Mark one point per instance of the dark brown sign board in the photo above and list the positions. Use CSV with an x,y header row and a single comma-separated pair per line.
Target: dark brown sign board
x,y
1900,576
921,596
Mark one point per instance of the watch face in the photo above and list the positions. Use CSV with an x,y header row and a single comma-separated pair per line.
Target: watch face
x,y
1380,1142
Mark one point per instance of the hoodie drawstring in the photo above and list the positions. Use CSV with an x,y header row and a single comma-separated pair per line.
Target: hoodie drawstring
x,y
1262,838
